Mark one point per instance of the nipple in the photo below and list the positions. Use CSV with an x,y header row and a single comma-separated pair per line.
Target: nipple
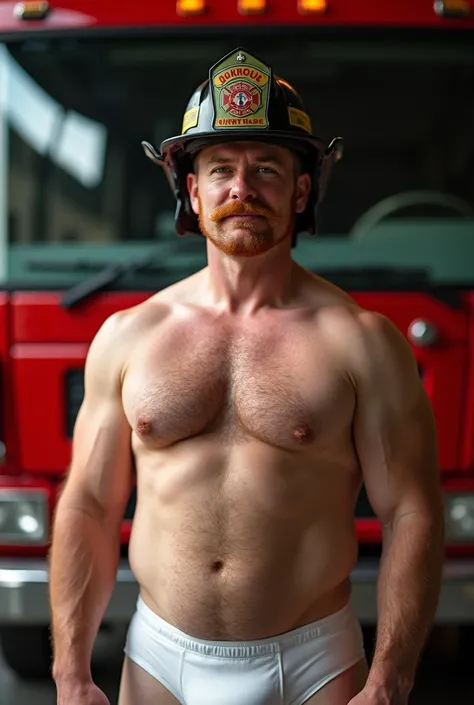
x,y
303,434
217,566
144,426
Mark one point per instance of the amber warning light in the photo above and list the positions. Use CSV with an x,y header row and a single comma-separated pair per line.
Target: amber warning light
x,y
190,7
452,8
307,7
252,7
31,10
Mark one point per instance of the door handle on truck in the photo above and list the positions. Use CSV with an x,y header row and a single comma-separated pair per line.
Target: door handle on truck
x,y
3,452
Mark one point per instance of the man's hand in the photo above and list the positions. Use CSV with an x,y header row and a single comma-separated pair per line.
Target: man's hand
x,y
374,695
80,693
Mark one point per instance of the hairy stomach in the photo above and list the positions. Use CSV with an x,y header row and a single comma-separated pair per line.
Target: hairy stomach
x,y
239,551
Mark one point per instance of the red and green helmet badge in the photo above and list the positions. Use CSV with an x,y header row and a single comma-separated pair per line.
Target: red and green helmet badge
x,y
240,87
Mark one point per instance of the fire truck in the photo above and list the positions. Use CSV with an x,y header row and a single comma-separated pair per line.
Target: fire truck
x,y
87,228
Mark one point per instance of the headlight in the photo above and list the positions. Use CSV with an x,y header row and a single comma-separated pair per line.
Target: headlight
x,y
459,517
23,517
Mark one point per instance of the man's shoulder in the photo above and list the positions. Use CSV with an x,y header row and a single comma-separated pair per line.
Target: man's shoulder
x,y
132,320
364,326
341,312
372,347
364,337
124,329
131,323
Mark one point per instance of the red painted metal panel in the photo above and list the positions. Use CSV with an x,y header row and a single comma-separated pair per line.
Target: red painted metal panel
x,y
8,425
39,389
467,447
38,317
3,325
369,530
110,13
3,371
47,340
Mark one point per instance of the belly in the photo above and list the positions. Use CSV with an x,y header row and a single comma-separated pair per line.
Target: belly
x,y
245,549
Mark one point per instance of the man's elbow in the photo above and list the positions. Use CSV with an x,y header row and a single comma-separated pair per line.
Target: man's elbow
x,y
77,499
426,518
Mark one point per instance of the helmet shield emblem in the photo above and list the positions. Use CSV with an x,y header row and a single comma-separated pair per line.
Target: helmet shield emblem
x,y
240,87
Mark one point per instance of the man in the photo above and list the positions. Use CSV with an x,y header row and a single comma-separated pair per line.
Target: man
x,y
251,399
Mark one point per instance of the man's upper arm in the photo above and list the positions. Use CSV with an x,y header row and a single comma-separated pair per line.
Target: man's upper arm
x,y
394,427
100,476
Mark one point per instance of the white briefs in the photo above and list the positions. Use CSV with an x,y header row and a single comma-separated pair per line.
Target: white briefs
x,y
283,670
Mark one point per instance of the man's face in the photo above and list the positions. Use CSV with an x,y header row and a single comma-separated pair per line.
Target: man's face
x,y
247,195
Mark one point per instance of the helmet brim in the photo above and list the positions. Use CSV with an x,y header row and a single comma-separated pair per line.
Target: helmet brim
x,y
306,145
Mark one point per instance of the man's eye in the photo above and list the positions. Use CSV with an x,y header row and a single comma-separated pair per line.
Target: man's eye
x,y
266,170
220,170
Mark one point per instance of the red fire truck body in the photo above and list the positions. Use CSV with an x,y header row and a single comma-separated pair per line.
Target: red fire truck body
x,y
81,79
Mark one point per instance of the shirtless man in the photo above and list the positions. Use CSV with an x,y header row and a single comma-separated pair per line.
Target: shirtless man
x,y
250,401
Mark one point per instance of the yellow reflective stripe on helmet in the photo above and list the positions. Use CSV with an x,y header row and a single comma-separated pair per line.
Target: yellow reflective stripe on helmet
x,y
190,119
299,119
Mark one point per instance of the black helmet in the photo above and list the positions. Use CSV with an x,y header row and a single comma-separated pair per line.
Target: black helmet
x,y
243,101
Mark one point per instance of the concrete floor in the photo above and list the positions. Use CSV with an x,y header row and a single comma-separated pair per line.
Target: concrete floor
x,y
446,676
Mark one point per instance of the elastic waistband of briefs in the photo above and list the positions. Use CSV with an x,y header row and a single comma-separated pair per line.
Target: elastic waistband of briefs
x,y
337,622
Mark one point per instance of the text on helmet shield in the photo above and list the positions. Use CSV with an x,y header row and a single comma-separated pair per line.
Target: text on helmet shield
x,y
240,93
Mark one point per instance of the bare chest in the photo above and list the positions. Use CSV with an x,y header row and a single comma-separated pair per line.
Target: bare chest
x,y
276,385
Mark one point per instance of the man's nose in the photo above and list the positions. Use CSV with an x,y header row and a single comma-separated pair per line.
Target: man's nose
x,y
242,187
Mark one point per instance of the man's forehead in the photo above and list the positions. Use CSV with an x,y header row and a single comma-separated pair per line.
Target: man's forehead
x,y
261,151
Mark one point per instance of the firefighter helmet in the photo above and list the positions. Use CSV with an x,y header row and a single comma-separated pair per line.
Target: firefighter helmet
x,y
241,101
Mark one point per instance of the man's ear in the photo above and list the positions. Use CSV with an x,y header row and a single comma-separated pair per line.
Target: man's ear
x,y
192,185
303,189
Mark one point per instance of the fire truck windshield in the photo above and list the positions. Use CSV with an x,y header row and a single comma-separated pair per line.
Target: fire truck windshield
x,y
77,192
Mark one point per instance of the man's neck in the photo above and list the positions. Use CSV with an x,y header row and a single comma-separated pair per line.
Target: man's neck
x,y
245,284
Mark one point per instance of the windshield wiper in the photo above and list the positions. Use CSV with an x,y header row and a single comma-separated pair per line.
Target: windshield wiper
x,y
107,275
370,278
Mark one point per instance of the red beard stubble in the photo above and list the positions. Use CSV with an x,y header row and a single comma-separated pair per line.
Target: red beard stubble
x,y
258,240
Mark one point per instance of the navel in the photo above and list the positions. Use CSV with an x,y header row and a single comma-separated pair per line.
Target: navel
x,y
303,434
217,566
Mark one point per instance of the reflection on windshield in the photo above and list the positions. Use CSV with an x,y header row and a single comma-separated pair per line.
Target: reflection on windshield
x,y
72,141
76,112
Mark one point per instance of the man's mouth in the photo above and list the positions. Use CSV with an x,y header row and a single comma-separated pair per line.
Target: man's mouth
x,y
245,216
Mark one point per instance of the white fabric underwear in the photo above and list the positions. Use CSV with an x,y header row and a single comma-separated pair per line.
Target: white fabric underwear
x,y
283,670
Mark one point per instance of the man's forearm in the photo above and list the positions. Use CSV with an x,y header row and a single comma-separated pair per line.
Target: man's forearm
x,y
407,596
83,568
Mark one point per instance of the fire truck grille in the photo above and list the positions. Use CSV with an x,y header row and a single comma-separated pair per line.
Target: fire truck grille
x,y
130,508
363,509
74,393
